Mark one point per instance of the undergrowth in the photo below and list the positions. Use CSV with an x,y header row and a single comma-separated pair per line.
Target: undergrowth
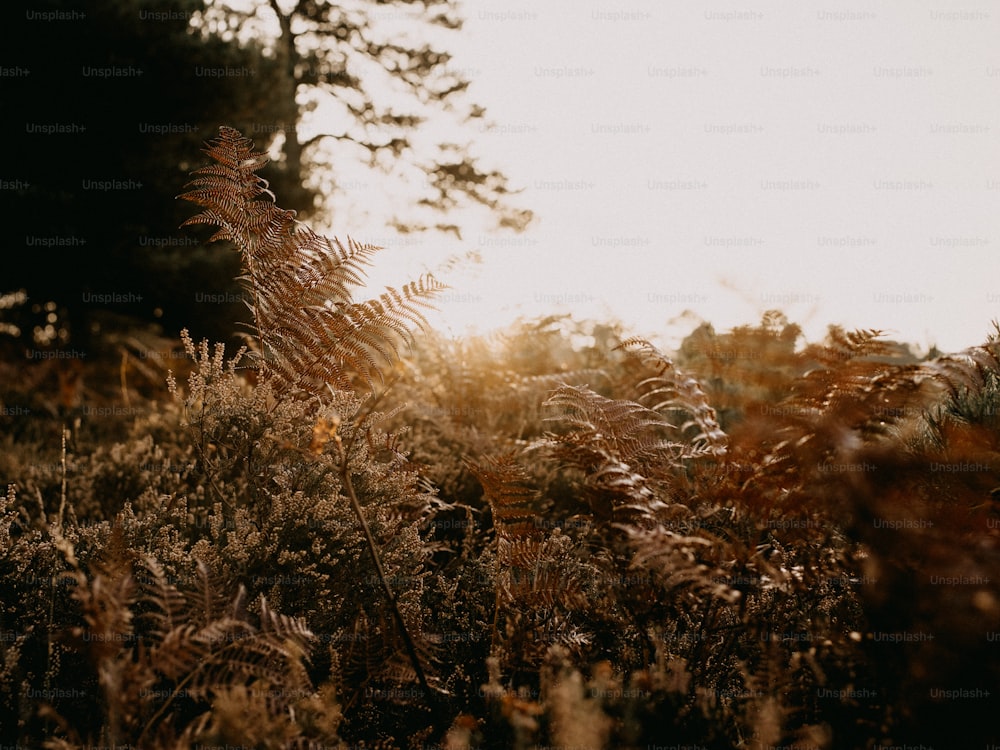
x,y
322,541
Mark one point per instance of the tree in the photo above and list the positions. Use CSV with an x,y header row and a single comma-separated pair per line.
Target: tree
x,y
121,93
357,82
110,102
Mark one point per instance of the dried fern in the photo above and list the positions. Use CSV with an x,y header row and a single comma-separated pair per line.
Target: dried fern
x,y
512,499
162,656
539,583
602,428
309,333
670,390
621,449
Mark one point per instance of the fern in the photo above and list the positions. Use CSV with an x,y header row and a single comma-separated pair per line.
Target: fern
x,y
621,449
508,491
670,390
163,656
603,428
309,333
539,584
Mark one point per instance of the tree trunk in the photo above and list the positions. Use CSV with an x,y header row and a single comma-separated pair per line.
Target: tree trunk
x,y
295,196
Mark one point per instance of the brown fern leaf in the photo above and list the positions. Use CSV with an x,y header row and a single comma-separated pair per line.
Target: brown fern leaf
x,y
212,648
208,601
174,650
534,567
620,448
671,390
507,488
676,560
603,428
619,495
292,632
844,345
308,331
535,573
854,393
376,655
169,605
106,599
236,654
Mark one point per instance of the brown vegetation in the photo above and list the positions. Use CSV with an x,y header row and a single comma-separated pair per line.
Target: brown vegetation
x,y
508,543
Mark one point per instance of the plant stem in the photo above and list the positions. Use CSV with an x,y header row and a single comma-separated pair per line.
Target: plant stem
x,y
345,476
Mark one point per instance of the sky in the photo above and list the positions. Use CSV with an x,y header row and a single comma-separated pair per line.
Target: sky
x,y
711,161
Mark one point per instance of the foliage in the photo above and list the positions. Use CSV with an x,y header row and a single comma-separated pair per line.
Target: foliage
x,y
753,542
337,62
310,333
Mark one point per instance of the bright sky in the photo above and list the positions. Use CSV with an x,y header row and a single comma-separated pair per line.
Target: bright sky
x,y
839,162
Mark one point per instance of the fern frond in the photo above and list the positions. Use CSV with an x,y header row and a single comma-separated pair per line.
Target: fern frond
x,y
534,573
676,560
169,606
620,495
671,390
970,370
507,488
843,346
290,631
377,655
202,645
208,601
309,332
604,428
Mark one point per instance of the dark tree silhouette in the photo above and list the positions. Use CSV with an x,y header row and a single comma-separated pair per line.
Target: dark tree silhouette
x,y
109,102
